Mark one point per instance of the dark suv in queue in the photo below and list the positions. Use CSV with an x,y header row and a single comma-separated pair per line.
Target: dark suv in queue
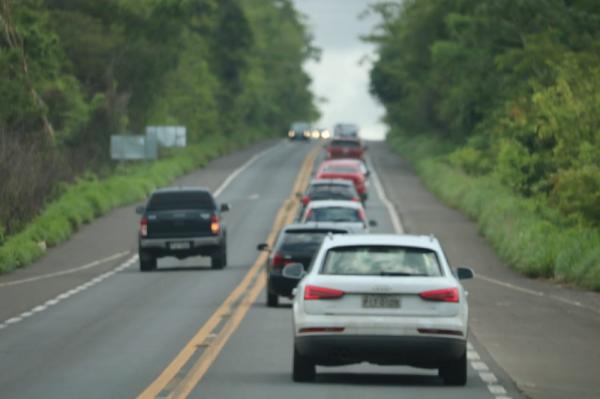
x,y
296,243
182,222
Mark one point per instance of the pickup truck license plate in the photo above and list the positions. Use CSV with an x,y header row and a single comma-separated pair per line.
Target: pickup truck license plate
x,y
381,301
179,245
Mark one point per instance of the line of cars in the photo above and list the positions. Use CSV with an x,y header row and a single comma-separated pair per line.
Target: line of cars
x,y
386,299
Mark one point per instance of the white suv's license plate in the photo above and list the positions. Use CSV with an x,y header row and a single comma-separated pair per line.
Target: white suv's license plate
x,y
179,245
381,301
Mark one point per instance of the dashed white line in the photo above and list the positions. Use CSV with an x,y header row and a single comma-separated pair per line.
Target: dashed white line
x,y
497,389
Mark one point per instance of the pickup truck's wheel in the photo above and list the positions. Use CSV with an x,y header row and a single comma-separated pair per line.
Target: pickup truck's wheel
x,y
303,370
455,372
147,261
219,260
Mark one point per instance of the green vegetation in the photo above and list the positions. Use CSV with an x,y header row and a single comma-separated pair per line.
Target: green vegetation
x,y
496,102
75,72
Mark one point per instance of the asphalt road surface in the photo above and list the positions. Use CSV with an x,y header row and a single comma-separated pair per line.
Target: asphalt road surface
x,y
84,322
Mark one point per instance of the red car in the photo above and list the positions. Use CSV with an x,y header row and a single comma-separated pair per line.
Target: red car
x,y
347,169
345,148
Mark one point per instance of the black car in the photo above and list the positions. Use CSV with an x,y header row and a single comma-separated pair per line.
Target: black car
x,y
182,222
296,243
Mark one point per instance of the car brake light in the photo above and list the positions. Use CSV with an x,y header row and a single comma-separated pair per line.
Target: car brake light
x,y
305,200
312,292
215,226
443,295
278,261
355,199
144,226
308,215
361,215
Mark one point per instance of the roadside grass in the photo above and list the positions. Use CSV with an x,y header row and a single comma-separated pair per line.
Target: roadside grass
x,y
530,236
90,197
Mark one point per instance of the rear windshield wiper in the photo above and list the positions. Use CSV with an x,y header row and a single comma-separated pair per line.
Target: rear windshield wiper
x,y
403,274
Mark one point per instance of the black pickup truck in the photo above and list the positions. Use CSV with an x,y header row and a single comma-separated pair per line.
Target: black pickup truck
x,y
182,222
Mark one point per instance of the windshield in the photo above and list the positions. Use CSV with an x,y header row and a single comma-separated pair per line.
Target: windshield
x,y
302,240
345,143
381,261
332,192
333,214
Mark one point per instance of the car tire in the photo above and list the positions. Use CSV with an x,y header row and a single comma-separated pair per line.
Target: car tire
x,y
147,262
303,370
219,260
272,299
455,372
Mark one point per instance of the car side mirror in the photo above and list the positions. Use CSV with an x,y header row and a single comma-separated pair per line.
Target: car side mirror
x,y
225,207
140,209
372,223
294,271
464,273
262,246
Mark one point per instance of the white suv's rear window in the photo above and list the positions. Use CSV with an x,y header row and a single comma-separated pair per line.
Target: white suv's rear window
x,y
381,261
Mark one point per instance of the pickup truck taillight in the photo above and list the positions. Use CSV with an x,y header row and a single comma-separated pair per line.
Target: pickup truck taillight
x,y
144,226
215,225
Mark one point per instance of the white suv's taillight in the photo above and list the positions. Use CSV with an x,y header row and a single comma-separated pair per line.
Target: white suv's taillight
x,y
313,292
443,295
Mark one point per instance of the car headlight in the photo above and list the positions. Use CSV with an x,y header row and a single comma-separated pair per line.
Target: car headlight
x,y
315,134
306,133
325,134
291,133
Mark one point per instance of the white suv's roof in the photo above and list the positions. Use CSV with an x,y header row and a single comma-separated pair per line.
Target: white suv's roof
x,y
407,240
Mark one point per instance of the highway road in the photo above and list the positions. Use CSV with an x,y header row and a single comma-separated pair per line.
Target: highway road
x,y
84,322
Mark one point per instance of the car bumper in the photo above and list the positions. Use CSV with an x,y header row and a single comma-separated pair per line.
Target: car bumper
x,y
417,351
198,245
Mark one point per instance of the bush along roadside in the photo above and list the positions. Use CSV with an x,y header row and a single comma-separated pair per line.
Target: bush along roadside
x,y
530,236
90,197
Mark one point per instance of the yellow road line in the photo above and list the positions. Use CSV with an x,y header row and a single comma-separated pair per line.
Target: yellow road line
x,y
228,308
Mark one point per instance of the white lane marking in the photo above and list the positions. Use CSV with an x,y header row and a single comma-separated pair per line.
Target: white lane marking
x,y
65,272
488,378
479,366
381,193
497,389
242,168
67,294
535,293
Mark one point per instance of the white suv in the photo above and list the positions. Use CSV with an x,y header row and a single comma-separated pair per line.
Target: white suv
x,y
382,299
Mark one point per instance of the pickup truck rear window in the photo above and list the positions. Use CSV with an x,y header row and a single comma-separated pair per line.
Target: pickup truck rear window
x,y
181,200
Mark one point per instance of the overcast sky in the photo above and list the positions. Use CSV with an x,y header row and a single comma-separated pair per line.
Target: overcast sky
x,y
338,76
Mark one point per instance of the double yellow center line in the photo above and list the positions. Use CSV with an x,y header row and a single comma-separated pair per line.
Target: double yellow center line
x,y
187,368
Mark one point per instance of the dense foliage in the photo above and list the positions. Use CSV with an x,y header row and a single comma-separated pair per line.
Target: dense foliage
x,y
75,72
512,89
515,83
